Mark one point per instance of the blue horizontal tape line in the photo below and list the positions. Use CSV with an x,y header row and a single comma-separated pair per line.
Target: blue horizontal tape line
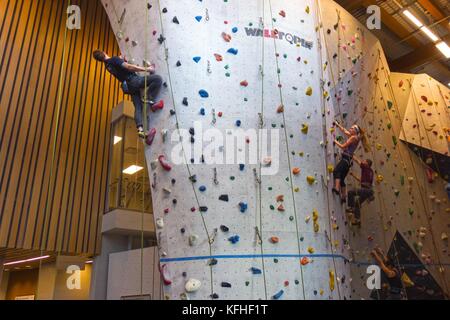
x,y
255,256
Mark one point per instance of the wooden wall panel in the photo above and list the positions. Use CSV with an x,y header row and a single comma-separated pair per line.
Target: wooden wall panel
x,y
53,112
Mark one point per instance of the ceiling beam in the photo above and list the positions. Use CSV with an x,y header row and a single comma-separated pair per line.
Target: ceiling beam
x,y
435,11
424,54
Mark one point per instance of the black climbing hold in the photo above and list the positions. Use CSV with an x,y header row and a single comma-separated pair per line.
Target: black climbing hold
x,y
175,20
193,178
192,131
224,228
224,197
215,296
203,209
161,39
165,84
174,181
174,201
184,274
172,112
192,160
226,285
164,10
212,262
185,101
183,230
202,159
178,63
192,139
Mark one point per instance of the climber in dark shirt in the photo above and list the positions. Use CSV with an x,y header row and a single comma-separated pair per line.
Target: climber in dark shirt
x,y
358,196
132,84
393,275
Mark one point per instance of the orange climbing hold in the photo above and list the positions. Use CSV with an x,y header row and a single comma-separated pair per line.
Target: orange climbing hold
x,y
304,261
226,37
296,171
280,109
281,208
274,239
218,57
280,198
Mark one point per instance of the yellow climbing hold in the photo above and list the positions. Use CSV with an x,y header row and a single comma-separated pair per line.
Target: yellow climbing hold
x,y
380,178
310,180
305,128
311,250
307,10
309,91
331,280
330,168
407,280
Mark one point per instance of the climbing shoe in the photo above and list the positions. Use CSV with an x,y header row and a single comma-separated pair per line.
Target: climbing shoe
x,y
141,134
356,222
336,191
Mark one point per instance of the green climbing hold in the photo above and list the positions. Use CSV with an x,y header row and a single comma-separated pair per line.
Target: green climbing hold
x,y
232,178
390,104
272,207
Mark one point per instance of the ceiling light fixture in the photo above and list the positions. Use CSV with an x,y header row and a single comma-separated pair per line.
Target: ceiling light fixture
x,y
430,34
117,139
26,260
413,19
444,48
132,169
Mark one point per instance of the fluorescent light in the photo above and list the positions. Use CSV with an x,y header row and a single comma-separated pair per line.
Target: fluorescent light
x,y
132,169
89,262
444,48
117,139
26,260
413,19
430,34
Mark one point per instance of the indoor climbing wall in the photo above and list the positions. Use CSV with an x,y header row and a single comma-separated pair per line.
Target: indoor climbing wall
x,y
268,226
411,204
261,229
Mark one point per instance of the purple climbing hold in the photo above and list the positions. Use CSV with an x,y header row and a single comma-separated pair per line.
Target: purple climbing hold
x,y
203,93
233,51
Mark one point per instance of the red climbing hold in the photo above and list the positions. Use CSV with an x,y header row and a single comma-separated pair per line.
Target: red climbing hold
x,y
304,261
244,83
150,136
158,106
282,13
220,114
274,239
425,99
165,274
162,160
193,209
218,57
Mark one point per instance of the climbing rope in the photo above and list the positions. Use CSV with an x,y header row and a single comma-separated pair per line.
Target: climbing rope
x,y
325,133
259,185
182,146
288,153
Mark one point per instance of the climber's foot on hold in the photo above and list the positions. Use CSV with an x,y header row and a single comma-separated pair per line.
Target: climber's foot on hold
x,y
150,136
157,106
356,222
141,133
166,166
165,274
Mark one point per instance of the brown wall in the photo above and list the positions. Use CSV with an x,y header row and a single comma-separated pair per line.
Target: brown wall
x,y
55,209
22,283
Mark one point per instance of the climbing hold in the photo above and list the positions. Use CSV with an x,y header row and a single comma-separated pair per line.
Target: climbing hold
x,y
278,295
274,240
281,208
224,197
331,274
307,10
280,198
311,180
175,20
234,30
202,188
305,129
225,285
296,171
212,262
244,83
165,274
243,206
161,39
218,57
159,223
203,93
162,160
192,285
197,59
255,270
193,240
280,109
198,18
203,209
185,101
309,91
224,228
234,239
226,37
304,261
232,51
282,13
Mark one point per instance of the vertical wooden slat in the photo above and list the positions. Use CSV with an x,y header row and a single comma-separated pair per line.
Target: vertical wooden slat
x,y
31,55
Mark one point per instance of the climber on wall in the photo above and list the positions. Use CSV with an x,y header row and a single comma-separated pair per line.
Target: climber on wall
x,y
358,196
132,84
393,275
355,135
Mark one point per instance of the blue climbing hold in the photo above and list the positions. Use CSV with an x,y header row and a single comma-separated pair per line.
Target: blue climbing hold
x,y
238,123
198,18
233,51
234,239
234,30
242,167
202,188
243,206
255,270
203,93
278,295
196,59
202,111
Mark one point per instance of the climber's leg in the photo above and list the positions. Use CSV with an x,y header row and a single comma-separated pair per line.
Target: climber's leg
x,y
351,200
154,83
136,97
